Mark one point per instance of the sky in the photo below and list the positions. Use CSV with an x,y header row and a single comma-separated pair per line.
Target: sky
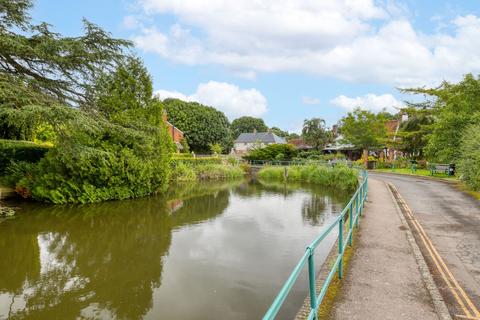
x,y
285,61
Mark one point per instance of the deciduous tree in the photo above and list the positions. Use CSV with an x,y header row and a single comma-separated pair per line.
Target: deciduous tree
x,y
247,124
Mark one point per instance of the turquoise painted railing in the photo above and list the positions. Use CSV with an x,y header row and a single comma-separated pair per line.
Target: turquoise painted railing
x,y
352,211
298,162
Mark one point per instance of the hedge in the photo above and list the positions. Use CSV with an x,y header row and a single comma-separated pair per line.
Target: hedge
x,y
17,150
197,161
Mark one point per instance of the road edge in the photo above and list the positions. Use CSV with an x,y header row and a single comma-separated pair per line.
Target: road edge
x,y
439,304
444,180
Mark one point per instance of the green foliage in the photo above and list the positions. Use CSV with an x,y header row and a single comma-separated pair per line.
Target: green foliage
x,y
201,125
184,172
468,163
125,95
216,148
315,133
279,132
186,148
364,129
20,151
456,107
339,177
197,161
39,66
272,152
16,171
218,172
247,124
96,160
292,136
414,132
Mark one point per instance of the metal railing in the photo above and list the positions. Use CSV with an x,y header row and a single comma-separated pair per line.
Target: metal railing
x,y
297,162
353,210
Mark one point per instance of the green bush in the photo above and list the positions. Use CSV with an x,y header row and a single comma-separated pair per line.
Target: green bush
x,y
16,150
272,152
182,172
182,156
468,163
339,177
96,160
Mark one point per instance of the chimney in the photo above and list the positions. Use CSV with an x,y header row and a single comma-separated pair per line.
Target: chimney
x,y
335,130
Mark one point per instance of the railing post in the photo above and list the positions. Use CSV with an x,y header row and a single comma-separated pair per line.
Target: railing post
x,y
311,281
356,209
350,224
361,199
340,247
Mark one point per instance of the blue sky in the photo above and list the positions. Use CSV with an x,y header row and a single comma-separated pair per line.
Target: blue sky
x,y
286,61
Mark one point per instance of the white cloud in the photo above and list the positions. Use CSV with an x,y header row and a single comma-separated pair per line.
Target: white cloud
x,y
130,22
372,102
310,100
352,40
227,97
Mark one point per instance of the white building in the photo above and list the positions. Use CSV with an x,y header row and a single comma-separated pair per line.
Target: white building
x,y
251,140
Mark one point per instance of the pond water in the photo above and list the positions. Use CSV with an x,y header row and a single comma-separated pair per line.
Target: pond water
x,y
203,251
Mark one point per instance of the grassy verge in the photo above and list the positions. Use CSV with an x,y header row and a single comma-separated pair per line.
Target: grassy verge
x,y
426,173
340,177
462,187
418,172
325,309
183,172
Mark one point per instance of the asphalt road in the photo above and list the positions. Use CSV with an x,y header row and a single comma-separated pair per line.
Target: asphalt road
x,y
451,219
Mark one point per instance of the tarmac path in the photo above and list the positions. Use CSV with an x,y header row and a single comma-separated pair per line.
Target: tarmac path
x,y
446,224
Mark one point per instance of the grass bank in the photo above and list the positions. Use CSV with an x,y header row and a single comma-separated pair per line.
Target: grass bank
x,y
426,173
183,172
339,177
418,172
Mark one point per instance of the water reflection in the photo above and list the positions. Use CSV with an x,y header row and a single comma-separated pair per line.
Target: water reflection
x,y
106,260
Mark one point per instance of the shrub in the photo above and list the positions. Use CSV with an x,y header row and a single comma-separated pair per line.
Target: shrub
x,y
233,161
23,151
339,177
97,160
468,163
182,172
270,152
16,171
215,148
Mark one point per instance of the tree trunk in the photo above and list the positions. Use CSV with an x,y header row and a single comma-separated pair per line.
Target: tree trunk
x,y
365,156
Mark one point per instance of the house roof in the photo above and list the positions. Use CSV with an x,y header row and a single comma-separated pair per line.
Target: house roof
x,y
171,125
339,145
265,137
300,144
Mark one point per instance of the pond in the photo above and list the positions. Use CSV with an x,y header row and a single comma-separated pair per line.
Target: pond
x,y
200,251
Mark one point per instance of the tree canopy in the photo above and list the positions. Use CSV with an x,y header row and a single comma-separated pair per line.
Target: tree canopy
x,y
455,107
315,133
40,66
201,125
247,124
414,132
363,129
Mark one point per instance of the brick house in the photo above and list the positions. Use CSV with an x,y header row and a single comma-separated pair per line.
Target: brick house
x,y
175,133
